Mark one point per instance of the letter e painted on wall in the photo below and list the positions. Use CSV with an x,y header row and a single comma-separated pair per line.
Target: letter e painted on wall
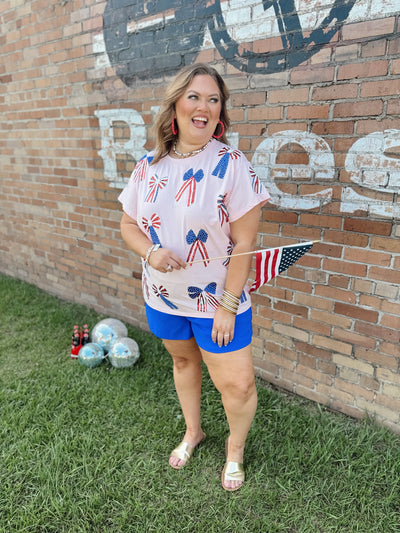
x,y
374,163
320,168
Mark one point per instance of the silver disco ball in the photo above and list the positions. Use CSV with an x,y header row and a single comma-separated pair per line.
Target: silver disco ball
x,y
124,352
91,355
107,331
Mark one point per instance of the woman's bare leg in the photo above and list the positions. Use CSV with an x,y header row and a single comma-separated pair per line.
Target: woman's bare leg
x,y
233,376
186,358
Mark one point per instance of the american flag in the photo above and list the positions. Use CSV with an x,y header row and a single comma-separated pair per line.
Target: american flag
x,y
271,262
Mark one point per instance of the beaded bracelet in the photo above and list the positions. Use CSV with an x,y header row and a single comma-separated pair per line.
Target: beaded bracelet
x,y
152,248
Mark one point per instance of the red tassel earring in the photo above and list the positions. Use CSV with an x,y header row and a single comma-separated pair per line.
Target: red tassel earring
x,y
222,130
174,128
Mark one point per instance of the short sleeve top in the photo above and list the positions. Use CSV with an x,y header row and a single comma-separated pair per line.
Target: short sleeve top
x,y
186,205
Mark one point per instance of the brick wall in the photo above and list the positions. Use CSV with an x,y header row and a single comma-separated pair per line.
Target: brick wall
x,y
315,107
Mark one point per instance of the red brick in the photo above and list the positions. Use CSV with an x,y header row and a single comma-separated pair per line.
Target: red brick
x,y
367,226
385,274
371,28
378,332
343,267
335,294
346,91
311,75
356,312
333,128
264,113
380,88
279,96
358,109
366,256
366,69
253,99
308,111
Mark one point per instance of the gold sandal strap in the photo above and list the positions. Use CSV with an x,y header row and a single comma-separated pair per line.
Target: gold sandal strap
x,y
183,452
234,471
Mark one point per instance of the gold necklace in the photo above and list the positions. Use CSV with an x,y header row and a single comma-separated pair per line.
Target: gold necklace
x,y
189,153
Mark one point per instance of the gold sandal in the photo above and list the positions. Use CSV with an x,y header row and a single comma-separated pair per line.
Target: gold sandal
x,y
232,472
183,452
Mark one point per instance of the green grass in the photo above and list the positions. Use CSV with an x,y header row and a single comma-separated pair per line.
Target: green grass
x,y
86,450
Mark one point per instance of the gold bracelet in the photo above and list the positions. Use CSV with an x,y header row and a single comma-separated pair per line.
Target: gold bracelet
x,y
230,302
224,306
230,298
231,295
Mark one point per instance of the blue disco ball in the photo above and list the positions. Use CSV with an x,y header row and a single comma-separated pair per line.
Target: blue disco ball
x,y
124,352
91,355
107,331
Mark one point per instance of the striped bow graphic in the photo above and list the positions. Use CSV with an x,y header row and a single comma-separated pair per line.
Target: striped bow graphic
x,y
197,244
223,214
228,252
205,297
145,287
155,185
226,154
189,183
255,181
140,170
151,226
162,293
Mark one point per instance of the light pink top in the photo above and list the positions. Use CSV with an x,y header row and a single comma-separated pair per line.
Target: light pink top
x,y
186,206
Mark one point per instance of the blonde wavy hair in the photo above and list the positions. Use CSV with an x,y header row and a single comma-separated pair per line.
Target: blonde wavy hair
x,y
162,124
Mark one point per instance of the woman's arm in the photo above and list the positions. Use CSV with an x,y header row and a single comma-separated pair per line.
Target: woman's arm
x,y
138,242
244,235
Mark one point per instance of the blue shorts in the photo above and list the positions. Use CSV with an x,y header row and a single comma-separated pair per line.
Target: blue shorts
x,y
175,327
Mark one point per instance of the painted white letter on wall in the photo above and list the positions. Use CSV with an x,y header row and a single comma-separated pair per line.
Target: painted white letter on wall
x,y
370,164
134,146
320,167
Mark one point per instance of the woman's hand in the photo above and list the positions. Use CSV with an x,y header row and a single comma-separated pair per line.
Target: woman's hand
x,y
223,327
165,260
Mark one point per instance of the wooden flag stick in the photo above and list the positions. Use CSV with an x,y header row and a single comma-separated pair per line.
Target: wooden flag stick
x,y
243,253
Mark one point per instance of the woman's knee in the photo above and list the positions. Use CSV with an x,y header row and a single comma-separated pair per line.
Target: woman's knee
x,y
184,353
240,389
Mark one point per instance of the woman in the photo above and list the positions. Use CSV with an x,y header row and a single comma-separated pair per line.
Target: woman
x,y
189,201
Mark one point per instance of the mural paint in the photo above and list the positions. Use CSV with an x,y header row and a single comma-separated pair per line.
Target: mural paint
x,y
371,163
144,39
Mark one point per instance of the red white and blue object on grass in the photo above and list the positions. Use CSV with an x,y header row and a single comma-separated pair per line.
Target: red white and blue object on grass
x,y
274,261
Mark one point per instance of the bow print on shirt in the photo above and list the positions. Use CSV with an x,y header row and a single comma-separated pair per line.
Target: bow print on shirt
x,y
151,226
226,153
198,242
155,184
228,252
223,214
189,182
205,297
139,172
255,181
162,293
